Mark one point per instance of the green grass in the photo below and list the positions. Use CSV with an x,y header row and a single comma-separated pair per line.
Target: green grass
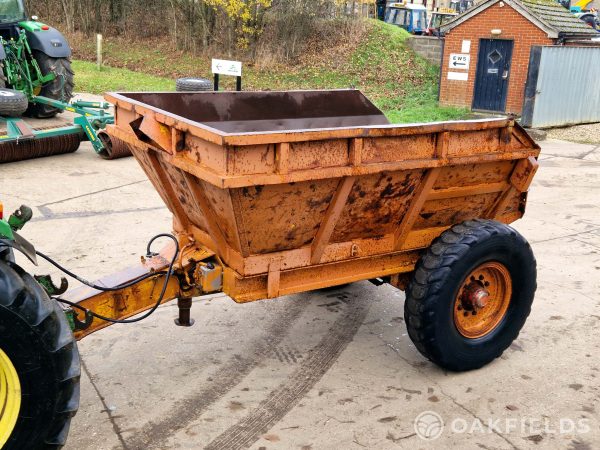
x,y
402,84
422,105
89,79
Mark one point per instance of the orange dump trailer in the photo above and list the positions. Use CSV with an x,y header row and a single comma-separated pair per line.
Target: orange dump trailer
x,y
274,193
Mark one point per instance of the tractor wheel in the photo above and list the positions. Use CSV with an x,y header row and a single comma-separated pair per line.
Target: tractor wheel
x,y
193,85
470,294
39,365
12,103
61,88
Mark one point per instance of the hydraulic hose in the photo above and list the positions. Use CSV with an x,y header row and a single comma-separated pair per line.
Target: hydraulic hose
x,y
168,274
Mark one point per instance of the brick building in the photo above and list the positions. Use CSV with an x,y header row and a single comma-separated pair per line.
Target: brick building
x,y
486,50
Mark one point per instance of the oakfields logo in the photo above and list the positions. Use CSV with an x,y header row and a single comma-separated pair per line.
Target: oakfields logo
x,y
429,426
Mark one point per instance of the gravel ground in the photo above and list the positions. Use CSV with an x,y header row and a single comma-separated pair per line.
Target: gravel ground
x,y
585,134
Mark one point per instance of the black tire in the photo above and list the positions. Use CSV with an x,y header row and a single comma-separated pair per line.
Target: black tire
x,y
193,85
61,88
36,336
435,284
12,103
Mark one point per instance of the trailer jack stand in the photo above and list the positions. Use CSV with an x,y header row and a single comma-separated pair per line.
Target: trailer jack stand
x,y
184,305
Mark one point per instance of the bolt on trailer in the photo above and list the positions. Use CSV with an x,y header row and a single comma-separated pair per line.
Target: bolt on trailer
x,y
274,193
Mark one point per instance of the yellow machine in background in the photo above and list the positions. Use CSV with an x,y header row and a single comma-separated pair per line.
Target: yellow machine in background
x,y
580,5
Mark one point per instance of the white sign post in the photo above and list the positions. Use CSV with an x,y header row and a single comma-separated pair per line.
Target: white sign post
x,y
459,61
225,67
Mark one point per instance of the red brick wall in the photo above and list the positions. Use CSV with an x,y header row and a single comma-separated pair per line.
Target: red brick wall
x,y
514,27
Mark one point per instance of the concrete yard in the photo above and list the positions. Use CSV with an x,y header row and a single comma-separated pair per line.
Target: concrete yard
x,y
331,369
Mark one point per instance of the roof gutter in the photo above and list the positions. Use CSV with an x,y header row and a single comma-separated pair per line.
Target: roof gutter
x,y
580,38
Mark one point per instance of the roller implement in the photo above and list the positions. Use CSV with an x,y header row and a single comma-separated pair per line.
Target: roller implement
x,y
274,193
36,69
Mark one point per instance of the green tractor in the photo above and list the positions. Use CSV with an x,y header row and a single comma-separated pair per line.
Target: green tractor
x,y
36,60
39,361
36,80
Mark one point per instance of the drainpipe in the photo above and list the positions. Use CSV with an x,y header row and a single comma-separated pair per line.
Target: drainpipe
x,y
441,65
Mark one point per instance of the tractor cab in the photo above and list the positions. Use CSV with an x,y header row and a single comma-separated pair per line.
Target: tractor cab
x,y
439,18
460,6
411,17
11,13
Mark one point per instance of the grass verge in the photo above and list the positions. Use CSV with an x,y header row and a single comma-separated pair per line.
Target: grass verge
x,y
89,79
402,84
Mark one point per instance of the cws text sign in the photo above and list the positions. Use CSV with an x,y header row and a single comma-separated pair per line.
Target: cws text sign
x,y
459,61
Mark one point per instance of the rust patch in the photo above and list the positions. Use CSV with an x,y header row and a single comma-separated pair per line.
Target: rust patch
x,y
474,174
286,216
376,205
473,142
392,148
451,211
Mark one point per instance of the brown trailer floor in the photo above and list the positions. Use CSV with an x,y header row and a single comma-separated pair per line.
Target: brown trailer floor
x,y
329,369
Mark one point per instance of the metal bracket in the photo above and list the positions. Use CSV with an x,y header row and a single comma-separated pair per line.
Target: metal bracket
x,y
79,325
75,323
20,217
46,282
377,281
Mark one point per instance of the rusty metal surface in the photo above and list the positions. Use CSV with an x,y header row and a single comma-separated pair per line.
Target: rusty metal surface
x,y
296,209
244,112
122,304
376,205
37,148
188,280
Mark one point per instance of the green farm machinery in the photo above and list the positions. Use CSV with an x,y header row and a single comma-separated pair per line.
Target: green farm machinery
x,y
37,81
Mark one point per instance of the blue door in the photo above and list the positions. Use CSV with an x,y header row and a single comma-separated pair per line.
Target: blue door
x,y
492,75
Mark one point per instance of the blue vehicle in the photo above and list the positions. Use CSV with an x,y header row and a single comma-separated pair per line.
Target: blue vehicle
x,y
411,17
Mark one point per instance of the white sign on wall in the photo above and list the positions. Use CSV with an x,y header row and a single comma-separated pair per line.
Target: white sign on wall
x,y
459,61
224,67
460,76
466,46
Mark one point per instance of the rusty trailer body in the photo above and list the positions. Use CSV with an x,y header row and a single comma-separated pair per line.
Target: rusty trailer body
x,y
284,192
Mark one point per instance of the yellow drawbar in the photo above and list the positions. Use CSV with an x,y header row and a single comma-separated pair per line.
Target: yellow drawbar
x,y
10,398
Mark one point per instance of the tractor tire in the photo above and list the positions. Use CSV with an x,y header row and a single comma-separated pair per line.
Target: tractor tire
x,y
193,85
12,103
36,344
61,88
470,294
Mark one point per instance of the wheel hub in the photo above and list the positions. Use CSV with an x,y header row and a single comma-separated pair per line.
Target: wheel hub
x,y
10,397
483,300
476,296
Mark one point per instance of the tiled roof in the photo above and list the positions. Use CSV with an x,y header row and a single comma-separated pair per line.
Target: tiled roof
x,y
549,15
557,16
